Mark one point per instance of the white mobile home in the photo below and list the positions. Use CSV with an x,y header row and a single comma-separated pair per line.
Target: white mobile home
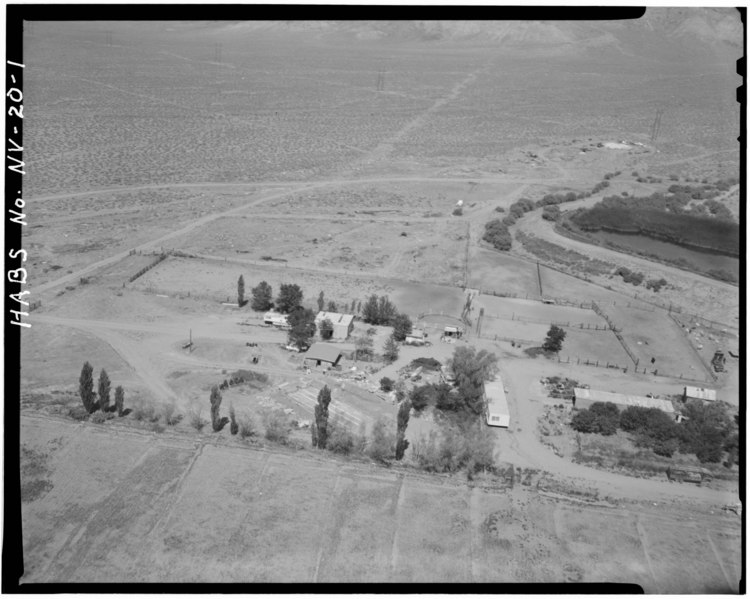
x,y
496,404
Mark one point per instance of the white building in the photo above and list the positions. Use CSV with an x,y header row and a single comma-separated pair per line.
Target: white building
x,y
584,398
496,403
343,324
699,393
416,337
276,319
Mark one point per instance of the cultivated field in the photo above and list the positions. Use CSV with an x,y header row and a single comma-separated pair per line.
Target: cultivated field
x,y
145,509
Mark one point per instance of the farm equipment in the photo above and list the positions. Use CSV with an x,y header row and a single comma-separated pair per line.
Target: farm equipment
x,y
688,474
718,361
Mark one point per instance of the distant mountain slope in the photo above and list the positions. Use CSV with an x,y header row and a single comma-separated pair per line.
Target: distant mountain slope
x,y
670,29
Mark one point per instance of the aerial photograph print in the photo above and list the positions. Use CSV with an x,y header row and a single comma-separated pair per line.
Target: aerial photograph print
x,y
361,298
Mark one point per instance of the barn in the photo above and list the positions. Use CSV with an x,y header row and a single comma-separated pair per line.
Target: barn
x,y
322,354
585,397
496,404
342,323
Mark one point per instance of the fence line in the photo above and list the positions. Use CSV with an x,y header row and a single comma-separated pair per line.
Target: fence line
x,y
627,349
705,365
570,325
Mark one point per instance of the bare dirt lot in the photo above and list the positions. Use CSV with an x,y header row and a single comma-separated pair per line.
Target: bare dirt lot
x,y
144,508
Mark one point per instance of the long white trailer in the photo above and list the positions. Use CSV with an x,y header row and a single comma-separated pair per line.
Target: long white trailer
x,y
496,403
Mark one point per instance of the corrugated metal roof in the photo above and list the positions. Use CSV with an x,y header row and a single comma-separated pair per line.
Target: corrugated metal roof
x,y
624,400
701,393
335,317
323,351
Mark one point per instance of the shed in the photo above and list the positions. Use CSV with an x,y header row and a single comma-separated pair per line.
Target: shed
x,y
452,331
698,393
585,397
342,323
496,404
321,353
276,319
416,337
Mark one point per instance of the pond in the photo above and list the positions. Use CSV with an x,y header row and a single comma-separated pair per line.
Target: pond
x,y
693,259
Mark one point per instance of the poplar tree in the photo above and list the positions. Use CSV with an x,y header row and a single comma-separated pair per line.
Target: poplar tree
x,y
86,387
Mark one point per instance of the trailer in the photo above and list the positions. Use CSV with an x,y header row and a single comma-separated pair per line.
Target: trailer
x,y
496,404
688,474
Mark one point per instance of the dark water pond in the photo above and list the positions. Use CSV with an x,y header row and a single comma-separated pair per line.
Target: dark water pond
x,y
696,260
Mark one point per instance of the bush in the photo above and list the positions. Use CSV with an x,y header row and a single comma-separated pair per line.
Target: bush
x,y
78,413
382,443
420,397
458,211
169,412
277,425
196,420
551,213
386,384
233,427
497,234
499,209
99,418
145,411
247,427
340,439
602,418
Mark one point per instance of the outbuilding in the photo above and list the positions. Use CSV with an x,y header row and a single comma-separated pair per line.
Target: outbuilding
x,y
496,404
276,319
343,324
698,393
322,354
416,337
584,398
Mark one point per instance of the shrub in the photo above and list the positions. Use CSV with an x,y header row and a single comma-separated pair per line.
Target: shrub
x,y
233,427
247,427
458,211
196,420
499,209
602,418
78,413
386,384
169,412
551,213
382,441
420,397
277,425
99,418
497,234
145,411
340,438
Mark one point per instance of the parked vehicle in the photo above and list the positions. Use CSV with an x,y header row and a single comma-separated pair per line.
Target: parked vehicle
x,y
688,474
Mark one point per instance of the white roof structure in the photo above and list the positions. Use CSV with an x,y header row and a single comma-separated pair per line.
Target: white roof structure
x,y
497,403
700,393
590,396
416,333
335,318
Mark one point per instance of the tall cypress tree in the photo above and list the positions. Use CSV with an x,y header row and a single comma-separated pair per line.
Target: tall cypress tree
x,y
119,399
402,421
321,416
241,291
86,387
104,388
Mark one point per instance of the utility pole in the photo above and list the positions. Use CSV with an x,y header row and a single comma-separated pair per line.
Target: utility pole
x,y
217,52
